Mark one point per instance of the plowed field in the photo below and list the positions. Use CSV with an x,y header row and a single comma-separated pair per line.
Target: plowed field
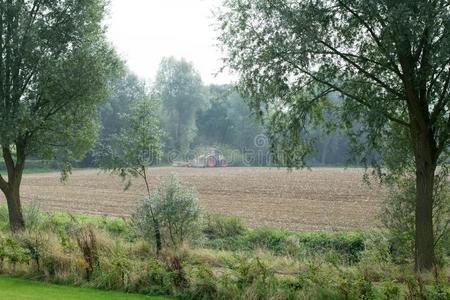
x,y
317,199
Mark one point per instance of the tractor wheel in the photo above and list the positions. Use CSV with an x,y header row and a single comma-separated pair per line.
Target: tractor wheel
x,y
211,162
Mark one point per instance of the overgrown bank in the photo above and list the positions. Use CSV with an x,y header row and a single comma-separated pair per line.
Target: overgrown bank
x,y
220,258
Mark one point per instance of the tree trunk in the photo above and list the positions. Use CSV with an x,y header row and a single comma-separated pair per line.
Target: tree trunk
x,y
16,221
156,225
425,172
11,188
157,237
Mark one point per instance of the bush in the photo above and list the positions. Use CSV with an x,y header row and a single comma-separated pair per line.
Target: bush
x,y
114,268
219,227
12,251
177,273
204,285
264,264
116,226
176,209
398,216
155,280
87,244
33,215
347,246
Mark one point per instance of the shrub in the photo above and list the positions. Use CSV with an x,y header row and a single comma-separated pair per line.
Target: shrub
x,y
391,291
268,238
155,280
114,268
33,215
87,244
204,285
4,219
117,226
34,244
177,273
176,209
398,216
218,227
13,252
348,246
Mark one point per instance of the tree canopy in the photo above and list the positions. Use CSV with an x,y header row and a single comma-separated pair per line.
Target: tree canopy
x,y
179,87
387,60
54,67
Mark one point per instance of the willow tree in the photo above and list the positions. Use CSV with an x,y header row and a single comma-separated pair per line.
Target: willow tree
x,y
389,61
54,69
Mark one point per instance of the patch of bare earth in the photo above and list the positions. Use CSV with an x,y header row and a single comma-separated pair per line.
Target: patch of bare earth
x,y
317,199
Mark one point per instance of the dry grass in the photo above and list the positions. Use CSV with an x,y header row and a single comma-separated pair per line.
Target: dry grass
x,y
318,199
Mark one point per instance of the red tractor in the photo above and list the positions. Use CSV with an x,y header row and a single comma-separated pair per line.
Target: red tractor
x,y
213,159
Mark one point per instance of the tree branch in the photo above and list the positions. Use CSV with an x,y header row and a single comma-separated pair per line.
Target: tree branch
x,y
372,33
438,108
345,93
362,70
3,184
9,162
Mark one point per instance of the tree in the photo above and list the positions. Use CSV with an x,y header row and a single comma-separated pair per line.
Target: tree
x,y
176,208
214,124
227,120
54,68
125,91
179,87
388,60
132,151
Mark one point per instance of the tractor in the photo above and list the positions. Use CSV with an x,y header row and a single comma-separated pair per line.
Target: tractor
x,y
213,158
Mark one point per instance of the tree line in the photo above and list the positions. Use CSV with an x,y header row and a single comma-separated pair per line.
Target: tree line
x,y
194,116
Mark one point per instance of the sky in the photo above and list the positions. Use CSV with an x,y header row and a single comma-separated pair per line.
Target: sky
x,y
145,31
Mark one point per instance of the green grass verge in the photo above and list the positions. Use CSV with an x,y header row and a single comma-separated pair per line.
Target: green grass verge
x,y
16,288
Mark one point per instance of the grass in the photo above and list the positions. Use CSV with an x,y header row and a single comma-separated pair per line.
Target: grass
x,y
15,288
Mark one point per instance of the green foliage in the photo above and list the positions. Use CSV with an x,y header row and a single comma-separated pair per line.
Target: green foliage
x,y
87,243
55,65
227,121
114,269
125,92
180,89
257,268
379,70
204,284
64,72
219,227
398,216
33,215
11,250
176,209
347,246
137,146
155,280
347,55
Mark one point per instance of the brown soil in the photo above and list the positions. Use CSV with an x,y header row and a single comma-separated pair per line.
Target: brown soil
x,y
317,199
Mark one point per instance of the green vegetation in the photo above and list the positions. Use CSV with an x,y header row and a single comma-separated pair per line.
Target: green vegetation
x,y
377,70
129,153
55,65
16,288
220,258
323,77
179,87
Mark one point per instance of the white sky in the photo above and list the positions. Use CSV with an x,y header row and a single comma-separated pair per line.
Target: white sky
x,y
145,31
